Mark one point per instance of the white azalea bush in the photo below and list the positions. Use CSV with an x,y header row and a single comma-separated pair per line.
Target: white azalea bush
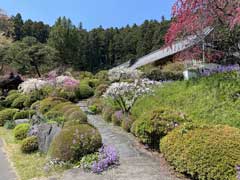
x,y
31,85
125,94
117,74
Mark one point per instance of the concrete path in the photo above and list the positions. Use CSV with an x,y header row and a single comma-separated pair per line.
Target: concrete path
x,y
6,171
135,162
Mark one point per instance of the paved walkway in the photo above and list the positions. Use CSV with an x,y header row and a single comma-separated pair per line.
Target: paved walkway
x,y
135,163
6,172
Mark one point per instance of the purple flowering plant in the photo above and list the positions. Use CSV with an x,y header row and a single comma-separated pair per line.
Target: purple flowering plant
x,y
108,156
220,69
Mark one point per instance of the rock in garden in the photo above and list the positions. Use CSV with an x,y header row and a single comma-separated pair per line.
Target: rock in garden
x,y
21,121
45,134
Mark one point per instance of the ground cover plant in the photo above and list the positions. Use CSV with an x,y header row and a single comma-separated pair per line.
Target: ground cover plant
x,y
212,100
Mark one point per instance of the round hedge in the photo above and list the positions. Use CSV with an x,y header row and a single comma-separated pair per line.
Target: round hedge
x,y
29,144
21,131
74,142
203,152
154,125
46,104
7,114
24,114
19,101
84,91
11,97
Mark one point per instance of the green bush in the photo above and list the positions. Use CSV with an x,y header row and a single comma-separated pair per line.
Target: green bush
x,y
9,125
11,97
107,113
24,114
100,90
77,116
154,125
84,91
21,130
19,101
74,142
85,74
7,114
158,74
66,94
34,96
98,103
53,114
207,100
203,152
46,104
102,75
29,144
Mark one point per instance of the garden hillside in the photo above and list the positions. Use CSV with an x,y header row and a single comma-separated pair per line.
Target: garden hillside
x,y
214,99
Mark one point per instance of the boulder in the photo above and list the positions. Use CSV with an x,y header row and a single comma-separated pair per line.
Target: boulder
x,y
46,133
21,121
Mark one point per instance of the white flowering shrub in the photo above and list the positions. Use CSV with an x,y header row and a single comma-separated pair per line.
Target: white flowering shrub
x,y
32,85
117,74
125,94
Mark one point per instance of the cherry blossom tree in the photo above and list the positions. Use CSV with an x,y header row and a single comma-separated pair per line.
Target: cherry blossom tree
x,y
191,17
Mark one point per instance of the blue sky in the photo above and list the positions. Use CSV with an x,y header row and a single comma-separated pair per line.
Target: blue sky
x,y
92,13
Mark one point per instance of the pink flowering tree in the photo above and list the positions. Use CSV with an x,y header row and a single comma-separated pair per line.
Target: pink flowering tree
x,y
191,17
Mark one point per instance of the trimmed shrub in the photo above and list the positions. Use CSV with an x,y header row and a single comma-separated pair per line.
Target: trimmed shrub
x,y
35,105
21,130
66,94
46,104
11,97
100,90
107,113
77,116
73,123
102,75
19,101
9,125
159,75
29,144
53,114
85,74
12,92
127,122
154,125
117,118
24,114
7,114
84,91
74,142
203,152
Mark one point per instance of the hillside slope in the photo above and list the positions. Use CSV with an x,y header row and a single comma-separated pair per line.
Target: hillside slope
x,y
214,99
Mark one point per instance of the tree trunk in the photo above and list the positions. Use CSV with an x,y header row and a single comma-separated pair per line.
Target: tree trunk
x,y
37,70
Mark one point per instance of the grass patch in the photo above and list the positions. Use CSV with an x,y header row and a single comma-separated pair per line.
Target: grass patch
x,y
213,100
28,166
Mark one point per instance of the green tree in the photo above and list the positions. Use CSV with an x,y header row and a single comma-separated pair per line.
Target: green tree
x,y
17,26
64,37
29,56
